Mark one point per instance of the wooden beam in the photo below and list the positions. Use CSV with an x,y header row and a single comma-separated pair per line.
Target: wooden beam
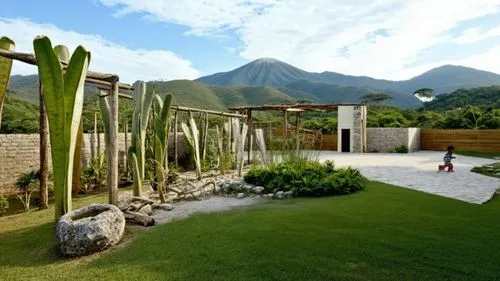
x,y
105,85
112,150
31,59
220,113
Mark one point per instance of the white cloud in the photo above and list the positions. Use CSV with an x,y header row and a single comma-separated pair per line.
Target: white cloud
x,y
473,35
107,57
334,35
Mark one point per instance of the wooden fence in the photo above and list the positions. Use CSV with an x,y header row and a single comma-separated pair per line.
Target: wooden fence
x,y
464,140
329,142
321,142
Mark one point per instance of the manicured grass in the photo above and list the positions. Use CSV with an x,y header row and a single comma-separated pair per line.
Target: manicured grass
x,y
382,233
487,155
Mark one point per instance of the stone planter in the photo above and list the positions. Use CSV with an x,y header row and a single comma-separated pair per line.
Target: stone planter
x,y
90,229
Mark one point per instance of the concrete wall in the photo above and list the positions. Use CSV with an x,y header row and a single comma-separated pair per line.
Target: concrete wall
x,y
354,119
345,121
20,153
414,139
385,139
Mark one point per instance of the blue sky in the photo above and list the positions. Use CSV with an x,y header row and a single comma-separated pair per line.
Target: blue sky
x,y
175,39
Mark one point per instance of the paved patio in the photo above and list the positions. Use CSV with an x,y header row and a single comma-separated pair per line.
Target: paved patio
x,y
419,171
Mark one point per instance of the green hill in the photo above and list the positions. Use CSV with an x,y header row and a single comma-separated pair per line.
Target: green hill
x,y
485,97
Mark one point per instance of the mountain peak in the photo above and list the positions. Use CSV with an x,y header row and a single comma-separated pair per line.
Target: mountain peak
x,y
267,60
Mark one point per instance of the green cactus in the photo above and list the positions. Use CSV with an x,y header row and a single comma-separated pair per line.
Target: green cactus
x,y
5,68
193,137
143,101
63,97
161,132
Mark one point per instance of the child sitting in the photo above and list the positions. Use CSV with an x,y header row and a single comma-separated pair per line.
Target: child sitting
x,y
447,160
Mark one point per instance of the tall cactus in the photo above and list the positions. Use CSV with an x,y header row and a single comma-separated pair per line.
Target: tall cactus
x,y
161,130
63,97
193,137
137,151
5,68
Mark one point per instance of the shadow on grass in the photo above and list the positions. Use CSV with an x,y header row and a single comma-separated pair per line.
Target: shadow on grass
x,y
33,246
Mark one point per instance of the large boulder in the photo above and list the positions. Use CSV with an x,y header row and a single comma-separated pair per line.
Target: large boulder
x,y
90,229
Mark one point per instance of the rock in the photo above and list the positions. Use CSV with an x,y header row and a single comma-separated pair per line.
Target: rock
x,y
279,195
136,206
188,197
288,194
197,193
240,195
270,195
258,189
90,229
146,209
165,207
139,218
248,187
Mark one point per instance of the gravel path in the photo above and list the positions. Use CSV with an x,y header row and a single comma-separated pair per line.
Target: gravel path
x,y
212,204
419,171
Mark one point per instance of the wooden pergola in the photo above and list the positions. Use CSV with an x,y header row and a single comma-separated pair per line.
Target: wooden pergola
x,y
109,82
108,85
285,108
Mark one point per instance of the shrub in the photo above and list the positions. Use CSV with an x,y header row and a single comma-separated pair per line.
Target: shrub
x,y
4,204
307,178
94,176
400,149
27,183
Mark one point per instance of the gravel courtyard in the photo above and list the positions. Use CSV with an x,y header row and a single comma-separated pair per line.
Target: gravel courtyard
x,y
419,171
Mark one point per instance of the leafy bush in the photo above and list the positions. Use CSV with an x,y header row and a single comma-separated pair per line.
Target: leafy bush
x,y
27,183
307,178
4,204
400,149
94,176
491,170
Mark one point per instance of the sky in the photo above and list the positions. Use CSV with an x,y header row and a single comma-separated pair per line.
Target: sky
x,y
187,39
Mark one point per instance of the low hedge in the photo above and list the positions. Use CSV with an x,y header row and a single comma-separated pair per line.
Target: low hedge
x,y
307,179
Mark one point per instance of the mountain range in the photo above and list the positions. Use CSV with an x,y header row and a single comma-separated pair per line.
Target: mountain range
x,y
271,81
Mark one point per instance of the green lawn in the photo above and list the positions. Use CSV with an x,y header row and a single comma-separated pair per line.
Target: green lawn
x,y
382,233
487,155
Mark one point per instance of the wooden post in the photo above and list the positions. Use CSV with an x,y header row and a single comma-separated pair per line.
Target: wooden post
x,y
112,150
176,155
205,136
125,130
230,135
97,136
44,157
249,136
285,123
297,126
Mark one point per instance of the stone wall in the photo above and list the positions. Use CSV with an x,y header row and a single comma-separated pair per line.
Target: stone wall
x,y
385,139
20,153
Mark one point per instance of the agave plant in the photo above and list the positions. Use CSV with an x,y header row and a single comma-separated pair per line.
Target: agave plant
x,y
5,68
193,137
161,130
137,151
63,97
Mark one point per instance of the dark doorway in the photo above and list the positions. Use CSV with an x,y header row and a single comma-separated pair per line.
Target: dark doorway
x,y
346,140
